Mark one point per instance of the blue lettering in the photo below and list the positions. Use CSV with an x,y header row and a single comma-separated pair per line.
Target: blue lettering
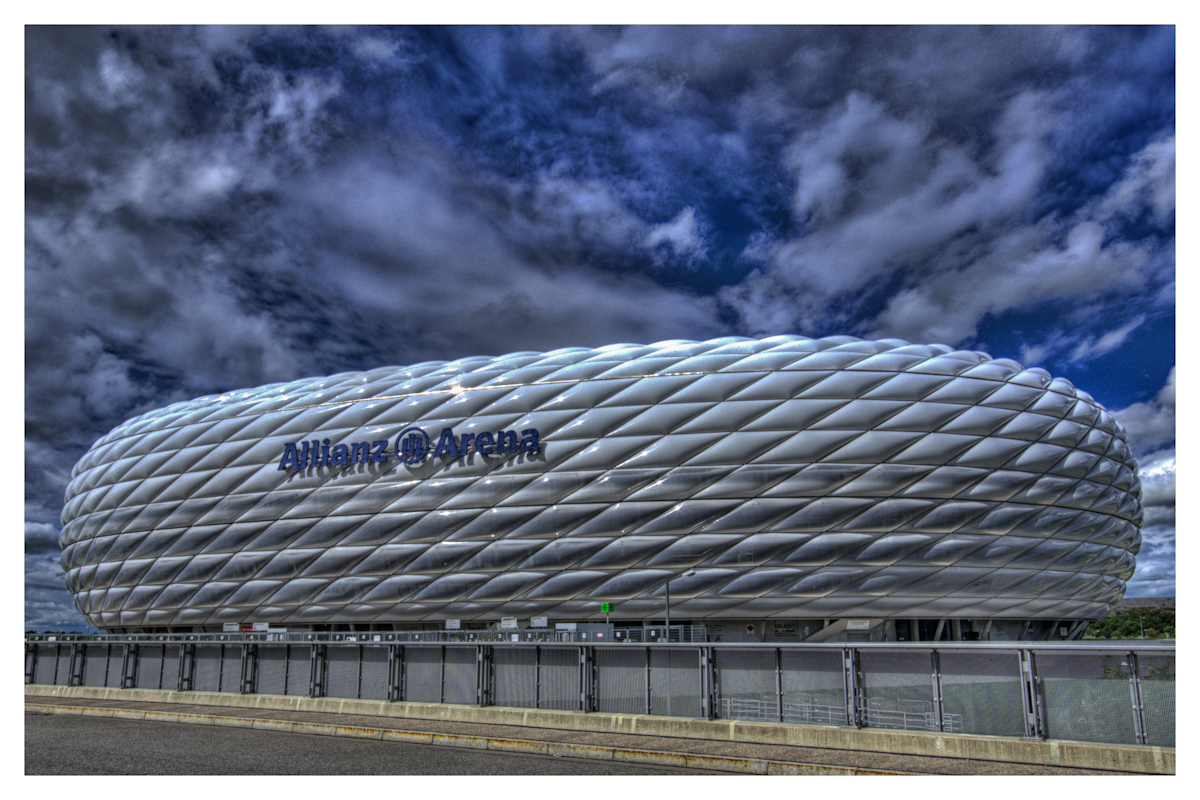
x,y
447,445
506,442
291,457
412,446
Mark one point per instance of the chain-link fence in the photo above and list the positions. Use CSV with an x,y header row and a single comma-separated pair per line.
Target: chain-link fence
x,y
1075,691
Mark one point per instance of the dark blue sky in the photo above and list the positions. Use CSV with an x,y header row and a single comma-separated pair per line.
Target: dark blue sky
x,y
214,208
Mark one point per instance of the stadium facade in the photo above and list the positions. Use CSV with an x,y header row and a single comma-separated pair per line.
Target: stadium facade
x,y
788,488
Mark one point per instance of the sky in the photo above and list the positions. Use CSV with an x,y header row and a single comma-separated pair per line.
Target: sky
x,y
215,208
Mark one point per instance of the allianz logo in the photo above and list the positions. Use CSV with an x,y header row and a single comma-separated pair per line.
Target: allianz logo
x,y
412,446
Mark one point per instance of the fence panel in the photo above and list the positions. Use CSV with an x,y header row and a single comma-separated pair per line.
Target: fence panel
x,y
622,680
170,667
560,678
746,687
897,690
63,677
675,683
981,693
1087,697
231,669
460,676
814,687
208,668
95,664
299,664
341,665
47,664
113,676
272,669
150,666
373,685
1158,697
423,678
515,672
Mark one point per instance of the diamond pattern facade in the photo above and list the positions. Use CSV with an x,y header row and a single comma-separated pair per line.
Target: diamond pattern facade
x,y
795,477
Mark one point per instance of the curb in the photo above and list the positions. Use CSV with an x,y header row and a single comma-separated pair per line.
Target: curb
x,y
747,766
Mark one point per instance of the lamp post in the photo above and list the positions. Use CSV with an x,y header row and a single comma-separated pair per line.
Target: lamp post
x,y
685,575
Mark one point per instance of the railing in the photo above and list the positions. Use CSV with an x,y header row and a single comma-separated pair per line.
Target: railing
x,y
1111,693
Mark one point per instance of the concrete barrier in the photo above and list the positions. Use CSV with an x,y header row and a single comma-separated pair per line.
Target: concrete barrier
x,y
1084,755
564,750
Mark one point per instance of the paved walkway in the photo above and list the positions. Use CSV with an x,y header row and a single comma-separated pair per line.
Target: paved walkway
x,y
667,751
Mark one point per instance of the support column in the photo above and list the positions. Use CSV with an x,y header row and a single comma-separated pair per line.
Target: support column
x,y
249,681
31,656
939,716
779,682
78,655
707,694
852,677
129,666
316,671
187,667
649,704
1135,694
483,676
1031,697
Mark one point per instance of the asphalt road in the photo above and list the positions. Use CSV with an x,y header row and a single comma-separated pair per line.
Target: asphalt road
x,y
70,745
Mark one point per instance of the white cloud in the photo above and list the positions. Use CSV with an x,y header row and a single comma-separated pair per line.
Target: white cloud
x,y
1152,423
1149,182
680,233
41,537
1108,342
880,193
1155,573
374,48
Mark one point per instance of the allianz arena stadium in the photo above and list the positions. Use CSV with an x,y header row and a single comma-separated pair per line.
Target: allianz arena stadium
x,y
786,487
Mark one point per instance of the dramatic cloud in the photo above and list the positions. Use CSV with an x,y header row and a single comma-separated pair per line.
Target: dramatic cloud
x,y
214,208
1151,424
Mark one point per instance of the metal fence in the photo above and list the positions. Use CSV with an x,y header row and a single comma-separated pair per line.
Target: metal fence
x,y
1106,693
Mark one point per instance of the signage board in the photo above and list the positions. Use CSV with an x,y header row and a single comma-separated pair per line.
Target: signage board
x,y
260,627
453,624
858,624
231,627
606,608
785,629
538,622
565,626
508,624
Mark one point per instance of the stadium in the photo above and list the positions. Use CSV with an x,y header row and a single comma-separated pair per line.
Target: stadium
x,y
777,489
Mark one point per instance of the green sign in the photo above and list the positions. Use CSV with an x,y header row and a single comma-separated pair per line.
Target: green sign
x,y
605,607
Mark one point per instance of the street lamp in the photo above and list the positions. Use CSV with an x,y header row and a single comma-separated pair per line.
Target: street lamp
x,y
685,575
